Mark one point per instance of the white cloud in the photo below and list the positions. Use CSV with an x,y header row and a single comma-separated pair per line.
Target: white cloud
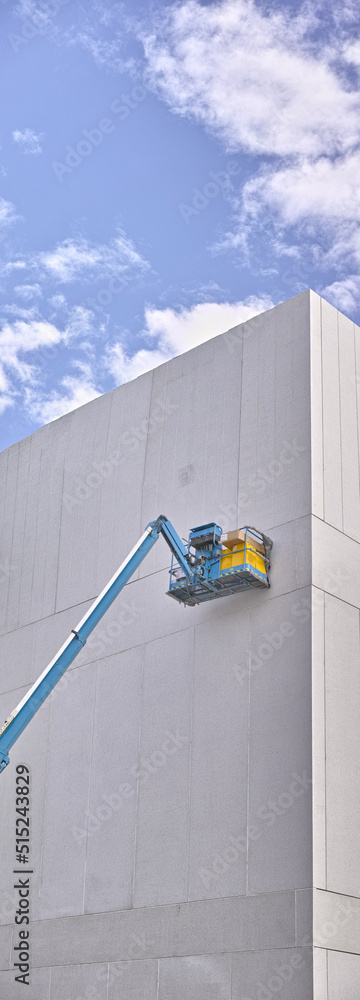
x,y
7,214
180,331
252,77
77,390
326,189
344,294
80,322
17,340
343,247
13,265
21,312
30,141
271,83
78,258
125,367
105,52
317,203
351,53
58,301
102,33
28,292
173,332
5,402
167,333
42,15
21,337
22,377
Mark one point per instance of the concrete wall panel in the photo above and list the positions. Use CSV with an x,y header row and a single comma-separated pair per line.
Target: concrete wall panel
x,y
70,982
26,651
320,975
111,821
31,749
344,976
208,977
288,973
162,764
342,652
133,980
76,576
318,738
335,418
280,746
7,531
67,796
219,759
336,921
317,431
304,917
331,417
16,662
277,415
357,374
38,988
6,936
349,418
336,563
205,927
18,534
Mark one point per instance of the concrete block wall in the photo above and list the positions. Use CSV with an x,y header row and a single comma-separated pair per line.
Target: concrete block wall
x,y
335,362
172,805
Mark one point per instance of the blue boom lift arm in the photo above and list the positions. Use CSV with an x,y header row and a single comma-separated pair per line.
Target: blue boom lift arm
x,y
198,576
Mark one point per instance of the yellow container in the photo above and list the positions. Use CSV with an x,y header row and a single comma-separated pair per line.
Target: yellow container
x,y
234,559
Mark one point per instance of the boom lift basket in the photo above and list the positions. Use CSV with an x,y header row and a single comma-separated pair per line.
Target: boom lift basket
x,y
241,562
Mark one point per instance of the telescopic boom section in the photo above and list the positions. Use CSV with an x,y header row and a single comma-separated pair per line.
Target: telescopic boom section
x,y
26,709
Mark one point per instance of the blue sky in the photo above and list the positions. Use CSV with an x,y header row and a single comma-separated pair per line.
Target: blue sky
x,y
166,171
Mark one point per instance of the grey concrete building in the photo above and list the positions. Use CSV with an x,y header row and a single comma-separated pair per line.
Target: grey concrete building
x,y
195,808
